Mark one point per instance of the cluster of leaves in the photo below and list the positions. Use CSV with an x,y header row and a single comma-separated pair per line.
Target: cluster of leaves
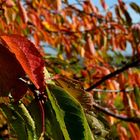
x,y
88,48
61,114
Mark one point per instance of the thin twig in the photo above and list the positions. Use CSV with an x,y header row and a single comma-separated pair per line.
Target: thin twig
x,y
108,90
127,66
42,112
39,101
121,117
42,115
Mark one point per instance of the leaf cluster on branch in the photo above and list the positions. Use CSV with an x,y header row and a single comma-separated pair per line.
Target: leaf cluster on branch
x,y
87,85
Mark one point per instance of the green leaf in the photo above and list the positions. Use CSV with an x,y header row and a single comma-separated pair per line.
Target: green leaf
x,y
96,126
35,112
137,96
128,18
30,124
16,120
53,129
73,115
59,114
135,7
118,102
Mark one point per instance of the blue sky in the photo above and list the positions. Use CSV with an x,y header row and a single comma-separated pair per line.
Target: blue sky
x,y
134,15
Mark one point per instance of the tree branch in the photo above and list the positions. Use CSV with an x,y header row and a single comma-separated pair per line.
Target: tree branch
x,y
121,117
127,66
109,91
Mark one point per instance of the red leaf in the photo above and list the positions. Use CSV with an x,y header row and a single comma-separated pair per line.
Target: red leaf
x,y
10,72
120,1
134,131
28,56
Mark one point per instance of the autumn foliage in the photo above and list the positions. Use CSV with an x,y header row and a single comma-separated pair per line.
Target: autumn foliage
x,y
89,62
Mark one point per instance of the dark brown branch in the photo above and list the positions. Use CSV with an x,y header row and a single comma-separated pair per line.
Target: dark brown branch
x,y
121,117
127,66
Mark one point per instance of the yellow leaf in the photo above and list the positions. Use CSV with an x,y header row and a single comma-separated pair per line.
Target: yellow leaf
x,y
72,86
49,27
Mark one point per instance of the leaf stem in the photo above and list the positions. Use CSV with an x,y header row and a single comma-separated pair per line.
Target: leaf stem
x,y
42,115
40,99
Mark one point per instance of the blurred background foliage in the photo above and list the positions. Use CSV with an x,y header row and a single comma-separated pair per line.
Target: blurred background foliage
x,y
87,42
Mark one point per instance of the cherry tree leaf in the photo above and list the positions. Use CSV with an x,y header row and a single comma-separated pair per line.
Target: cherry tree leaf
x,y
104,5
135,7
90,45
9,3
23,12
10,72
28,57
59,4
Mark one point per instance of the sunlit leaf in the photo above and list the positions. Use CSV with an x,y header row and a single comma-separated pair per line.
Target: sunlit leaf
x,y
118,26
28,57
59,115
53,129
90,45
49,26
9,14
22,12
30,124
134,131
59,4
73,87
74,117
34,19
103,3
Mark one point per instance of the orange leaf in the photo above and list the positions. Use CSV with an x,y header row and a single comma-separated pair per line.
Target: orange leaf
x,y
93,7
104,5
122,132
134,131
117,26
22,12
90,45
59,4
